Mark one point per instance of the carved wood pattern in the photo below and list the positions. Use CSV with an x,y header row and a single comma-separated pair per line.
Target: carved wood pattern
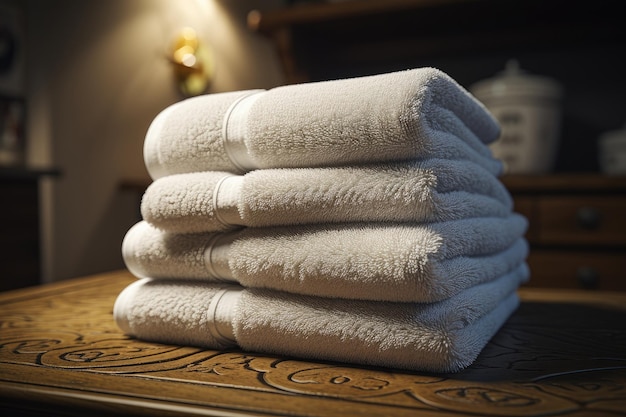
x,y
551,358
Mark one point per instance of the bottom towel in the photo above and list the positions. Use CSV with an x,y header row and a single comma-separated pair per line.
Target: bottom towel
x,y
444,336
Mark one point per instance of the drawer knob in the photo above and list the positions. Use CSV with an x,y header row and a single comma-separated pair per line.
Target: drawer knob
x,y
589,217
588,277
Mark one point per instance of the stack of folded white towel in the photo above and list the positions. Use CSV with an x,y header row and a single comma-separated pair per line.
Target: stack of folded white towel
x,y
358,220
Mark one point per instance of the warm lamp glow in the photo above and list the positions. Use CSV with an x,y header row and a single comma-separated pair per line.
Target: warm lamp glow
x,y
193,64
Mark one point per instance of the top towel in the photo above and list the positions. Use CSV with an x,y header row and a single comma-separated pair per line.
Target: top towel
x,y
414,114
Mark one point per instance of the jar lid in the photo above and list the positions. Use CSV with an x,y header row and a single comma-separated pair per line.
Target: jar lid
x,y
514,81
614,136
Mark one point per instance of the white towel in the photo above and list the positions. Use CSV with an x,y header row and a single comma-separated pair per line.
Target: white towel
x,y
445,336
404,262
414,114
427,191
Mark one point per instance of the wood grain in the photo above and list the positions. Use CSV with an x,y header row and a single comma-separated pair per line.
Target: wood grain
x,y
60,352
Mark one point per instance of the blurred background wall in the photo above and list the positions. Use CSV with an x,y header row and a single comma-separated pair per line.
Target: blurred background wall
x,y
96,73
96,76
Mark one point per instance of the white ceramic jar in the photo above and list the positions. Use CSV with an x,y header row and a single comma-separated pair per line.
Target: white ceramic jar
x,y
529,111
612,152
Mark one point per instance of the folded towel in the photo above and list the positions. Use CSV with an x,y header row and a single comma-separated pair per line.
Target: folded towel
x,y
361,261
415,114
429,191
445,336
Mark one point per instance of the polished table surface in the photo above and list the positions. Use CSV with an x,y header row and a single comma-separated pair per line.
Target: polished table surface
x,y
562,353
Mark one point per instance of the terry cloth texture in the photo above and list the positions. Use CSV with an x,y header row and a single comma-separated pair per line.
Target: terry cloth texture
x,y
358,220
406,262
444,336
415,114
423,191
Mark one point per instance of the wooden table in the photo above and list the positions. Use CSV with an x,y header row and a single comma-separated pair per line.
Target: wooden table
x,y
562,353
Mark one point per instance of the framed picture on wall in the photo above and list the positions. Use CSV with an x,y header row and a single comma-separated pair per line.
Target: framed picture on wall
x,y
12,49
12,131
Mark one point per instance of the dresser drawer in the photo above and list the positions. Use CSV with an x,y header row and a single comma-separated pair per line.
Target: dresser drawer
x,y
598,220
526,206
604,270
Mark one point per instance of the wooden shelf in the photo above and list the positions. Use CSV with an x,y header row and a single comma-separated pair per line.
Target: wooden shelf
x,y
565,183
314,12
322,40
27,173
135,184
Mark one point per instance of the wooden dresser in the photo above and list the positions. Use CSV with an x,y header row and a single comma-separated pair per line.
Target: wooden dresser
x,y
577,229
20,251
562,353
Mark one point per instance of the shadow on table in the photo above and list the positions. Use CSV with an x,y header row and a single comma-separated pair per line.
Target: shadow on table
x,y
545,340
